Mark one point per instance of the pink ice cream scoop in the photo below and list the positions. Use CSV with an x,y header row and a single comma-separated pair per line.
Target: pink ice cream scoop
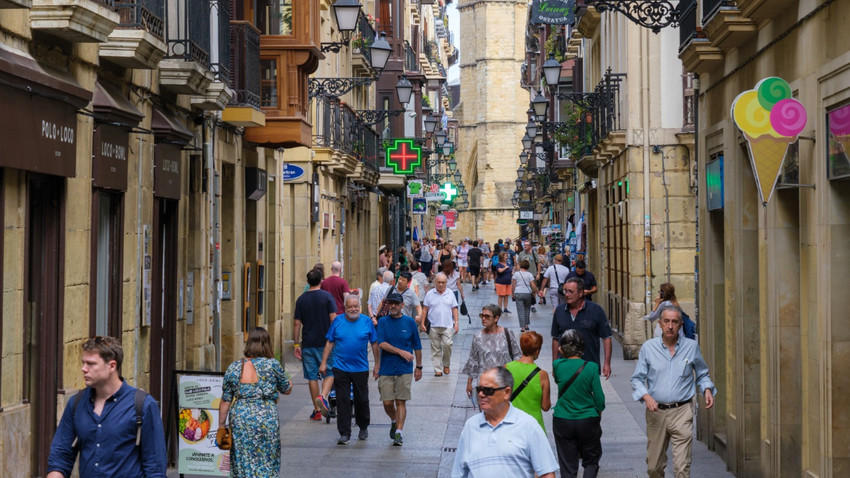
x,y
788,117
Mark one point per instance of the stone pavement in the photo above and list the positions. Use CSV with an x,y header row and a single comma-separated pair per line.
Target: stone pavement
x,y
438,410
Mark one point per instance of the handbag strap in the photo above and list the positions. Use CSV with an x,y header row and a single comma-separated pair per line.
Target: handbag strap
x,y
508,338
555,268
525,281
524,383
573,379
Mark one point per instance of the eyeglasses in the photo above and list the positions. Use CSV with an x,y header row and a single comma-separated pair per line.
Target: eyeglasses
x,y
487,316
488,391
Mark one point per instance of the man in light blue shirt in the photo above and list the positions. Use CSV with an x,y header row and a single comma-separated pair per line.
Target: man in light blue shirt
x,y
502,440
664,378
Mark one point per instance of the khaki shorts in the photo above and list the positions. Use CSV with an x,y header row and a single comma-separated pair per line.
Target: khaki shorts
x,y
395,387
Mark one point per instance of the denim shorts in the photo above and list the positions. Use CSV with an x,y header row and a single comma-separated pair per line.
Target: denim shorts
x,y
311,358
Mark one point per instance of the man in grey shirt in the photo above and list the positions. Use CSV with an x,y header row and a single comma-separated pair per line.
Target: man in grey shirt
x,y
410,306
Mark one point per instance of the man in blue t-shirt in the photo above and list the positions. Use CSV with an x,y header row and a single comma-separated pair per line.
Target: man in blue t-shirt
x,y
398,338
349,337
314,311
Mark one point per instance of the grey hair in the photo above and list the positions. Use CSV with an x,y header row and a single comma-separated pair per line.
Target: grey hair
x,y
381,271
441,275
388,276
351,297
571,344
667,305
503,376
493,309
578,281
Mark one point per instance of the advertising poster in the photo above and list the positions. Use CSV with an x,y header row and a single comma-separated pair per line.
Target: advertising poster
x,y
439,221
197,423
420,206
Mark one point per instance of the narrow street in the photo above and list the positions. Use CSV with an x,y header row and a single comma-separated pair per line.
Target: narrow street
x,y
438,410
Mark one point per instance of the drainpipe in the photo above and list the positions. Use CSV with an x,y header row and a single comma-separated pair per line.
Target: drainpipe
x,y
696,199
139,283
647,232
215,241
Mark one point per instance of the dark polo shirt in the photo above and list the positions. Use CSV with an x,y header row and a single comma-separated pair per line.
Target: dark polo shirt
x,y
591,322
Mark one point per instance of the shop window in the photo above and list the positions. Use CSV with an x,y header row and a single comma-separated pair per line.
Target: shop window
x,y
714,182
838,143
790,176
106,266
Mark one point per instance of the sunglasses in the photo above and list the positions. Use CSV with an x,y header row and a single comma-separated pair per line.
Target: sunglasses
x,y
488,391
486,316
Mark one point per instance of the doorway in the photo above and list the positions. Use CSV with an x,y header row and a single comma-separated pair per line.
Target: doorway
x,y
44,258
163,302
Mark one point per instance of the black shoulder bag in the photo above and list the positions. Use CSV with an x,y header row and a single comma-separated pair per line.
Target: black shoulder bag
x,y
573,379
560,285
524,383
508,338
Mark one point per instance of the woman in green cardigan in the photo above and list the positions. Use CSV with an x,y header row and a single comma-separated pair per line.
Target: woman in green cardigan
x,y
577,416
533,399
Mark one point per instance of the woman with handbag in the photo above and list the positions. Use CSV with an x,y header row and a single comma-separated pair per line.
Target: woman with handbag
x,y
578,411
249,400
492,346
523,292
531,384
503,281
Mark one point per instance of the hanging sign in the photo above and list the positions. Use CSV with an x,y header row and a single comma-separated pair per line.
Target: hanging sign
x,y
420,206
437,196
450,191
198,398
526,214
415,189
403,156
770,120
553,12
439,221
451,222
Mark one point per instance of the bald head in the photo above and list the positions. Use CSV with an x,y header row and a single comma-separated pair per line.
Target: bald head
x,y
336,267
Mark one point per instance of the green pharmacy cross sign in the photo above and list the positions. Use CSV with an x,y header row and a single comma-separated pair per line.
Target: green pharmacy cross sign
x,y
449,190
404,156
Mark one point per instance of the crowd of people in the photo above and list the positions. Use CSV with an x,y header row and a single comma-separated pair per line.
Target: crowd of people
x,y
422,290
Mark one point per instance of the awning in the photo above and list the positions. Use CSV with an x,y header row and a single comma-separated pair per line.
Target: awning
x,y
110,104
167,129
20,71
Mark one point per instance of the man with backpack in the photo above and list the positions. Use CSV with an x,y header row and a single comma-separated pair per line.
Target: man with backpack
x,y
115,428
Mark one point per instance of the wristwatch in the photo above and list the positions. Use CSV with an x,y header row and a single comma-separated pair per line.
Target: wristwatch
x,y
419,367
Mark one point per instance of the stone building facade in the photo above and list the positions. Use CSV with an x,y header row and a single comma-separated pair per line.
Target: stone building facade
x,y
773,305
491,114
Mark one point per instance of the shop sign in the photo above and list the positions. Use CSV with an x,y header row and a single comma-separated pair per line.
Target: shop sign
x,y
435,196
167,171
110,145
415,189
526,214
292,172
553,12
404,156
198,398
420,206
439,221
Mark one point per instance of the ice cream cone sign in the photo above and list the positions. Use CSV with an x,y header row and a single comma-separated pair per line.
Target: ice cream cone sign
x,y
770,120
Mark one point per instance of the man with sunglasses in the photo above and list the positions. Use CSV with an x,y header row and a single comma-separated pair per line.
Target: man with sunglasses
x,y
99,422
502,440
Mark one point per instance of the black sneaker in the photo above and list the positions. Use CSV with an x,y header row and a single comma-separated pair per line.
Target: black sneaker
x,y
533,309
507,311
364,434
393,428
397,440
343,440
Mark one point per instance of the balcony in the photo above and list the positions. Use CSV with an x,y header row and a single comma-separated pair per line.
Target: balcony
x,y
15,4
139,40
77,21
724,24
244,107
218,93
290,53
587,19
344,143
185,69
411,59
361,58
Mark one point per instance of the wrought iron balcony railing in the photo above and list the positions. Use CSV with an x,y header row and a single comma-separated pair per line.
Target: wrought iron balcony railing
x,y
411,59
222,68
143,15
367,33
687,22
245,63
189,36
336,126
603,106
710,7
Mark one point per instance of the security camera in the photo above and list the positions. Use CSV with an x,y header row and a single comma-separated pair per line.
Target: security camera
x,y
412,114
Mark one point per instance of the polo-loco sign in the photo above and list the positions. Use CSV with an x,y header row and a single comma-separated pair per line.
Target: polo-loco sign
x,y
770,120
553,12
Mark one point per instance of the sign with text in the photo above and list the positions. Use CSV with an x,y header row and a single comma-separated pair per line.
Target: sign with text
x,y
198,398
435,196
526,214
292,172
553,12
420,206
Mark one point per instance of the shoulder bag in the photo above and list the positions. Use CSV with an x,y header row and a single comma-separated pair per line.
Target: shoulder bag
x,y
510,347
224,437
572,379
524,383
560,284
533,297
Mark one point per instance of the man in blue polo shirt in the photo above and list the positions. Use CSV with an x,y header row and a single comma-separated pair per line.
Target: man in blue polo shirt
x,y
398,338
588,318
349,337
102,426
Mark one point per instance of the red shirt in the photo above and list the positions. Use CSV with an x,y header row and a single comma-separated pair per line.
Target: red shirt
x,y
337,286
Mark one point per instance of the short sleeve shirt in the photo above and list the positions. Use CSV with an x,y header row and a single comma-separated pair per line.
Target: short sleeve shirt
x,y
401,333
337,287
590,321
351,339
588,278
314,309
474,257
440,307
410,302
554,279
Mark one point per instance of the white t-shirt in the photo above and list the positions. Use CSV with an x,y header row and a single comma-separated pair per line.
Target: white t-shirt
x,y
554,281
523,282
452,281
440,307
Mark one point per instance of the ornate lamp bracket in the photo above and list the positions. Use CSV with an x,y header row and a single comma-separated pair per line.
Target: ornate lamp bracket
x,y
373,117
336,87
652,14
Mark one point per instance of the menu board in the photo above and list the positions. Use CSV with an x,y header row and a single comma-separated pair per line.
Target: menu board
x,y
198,398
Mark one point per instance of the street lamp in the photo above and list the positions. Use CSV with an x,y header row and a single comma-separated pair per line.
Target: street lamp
x,y
540,105
346,13
404,90
430,124
452,165
523,158
447,148
380,52
518,183
531,128
552,71
526,141
441,138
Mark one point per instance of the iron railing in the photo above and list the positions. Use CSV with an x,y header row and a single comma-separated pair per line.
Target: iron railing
x,y
689,104
336,126
710,7
603,107
142,15
365,30
223,68
411,59
189,36
245,63
687,22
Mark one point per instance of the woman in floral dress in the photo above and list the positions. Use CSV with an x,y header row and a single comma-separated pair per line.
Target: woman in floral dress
x,y
255,381
490,347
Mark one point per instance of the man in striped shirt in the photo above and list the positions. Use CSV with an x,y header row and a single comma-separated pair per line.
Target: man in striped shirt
x,y
667,369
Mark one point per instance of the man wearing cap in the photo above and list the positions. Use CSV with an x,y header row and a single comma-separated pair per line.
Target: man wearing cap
x,y
398,339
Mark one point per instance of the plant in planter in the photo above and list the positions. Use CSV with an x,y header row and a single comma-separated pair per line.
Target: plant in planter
x,y
360,42
576,134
